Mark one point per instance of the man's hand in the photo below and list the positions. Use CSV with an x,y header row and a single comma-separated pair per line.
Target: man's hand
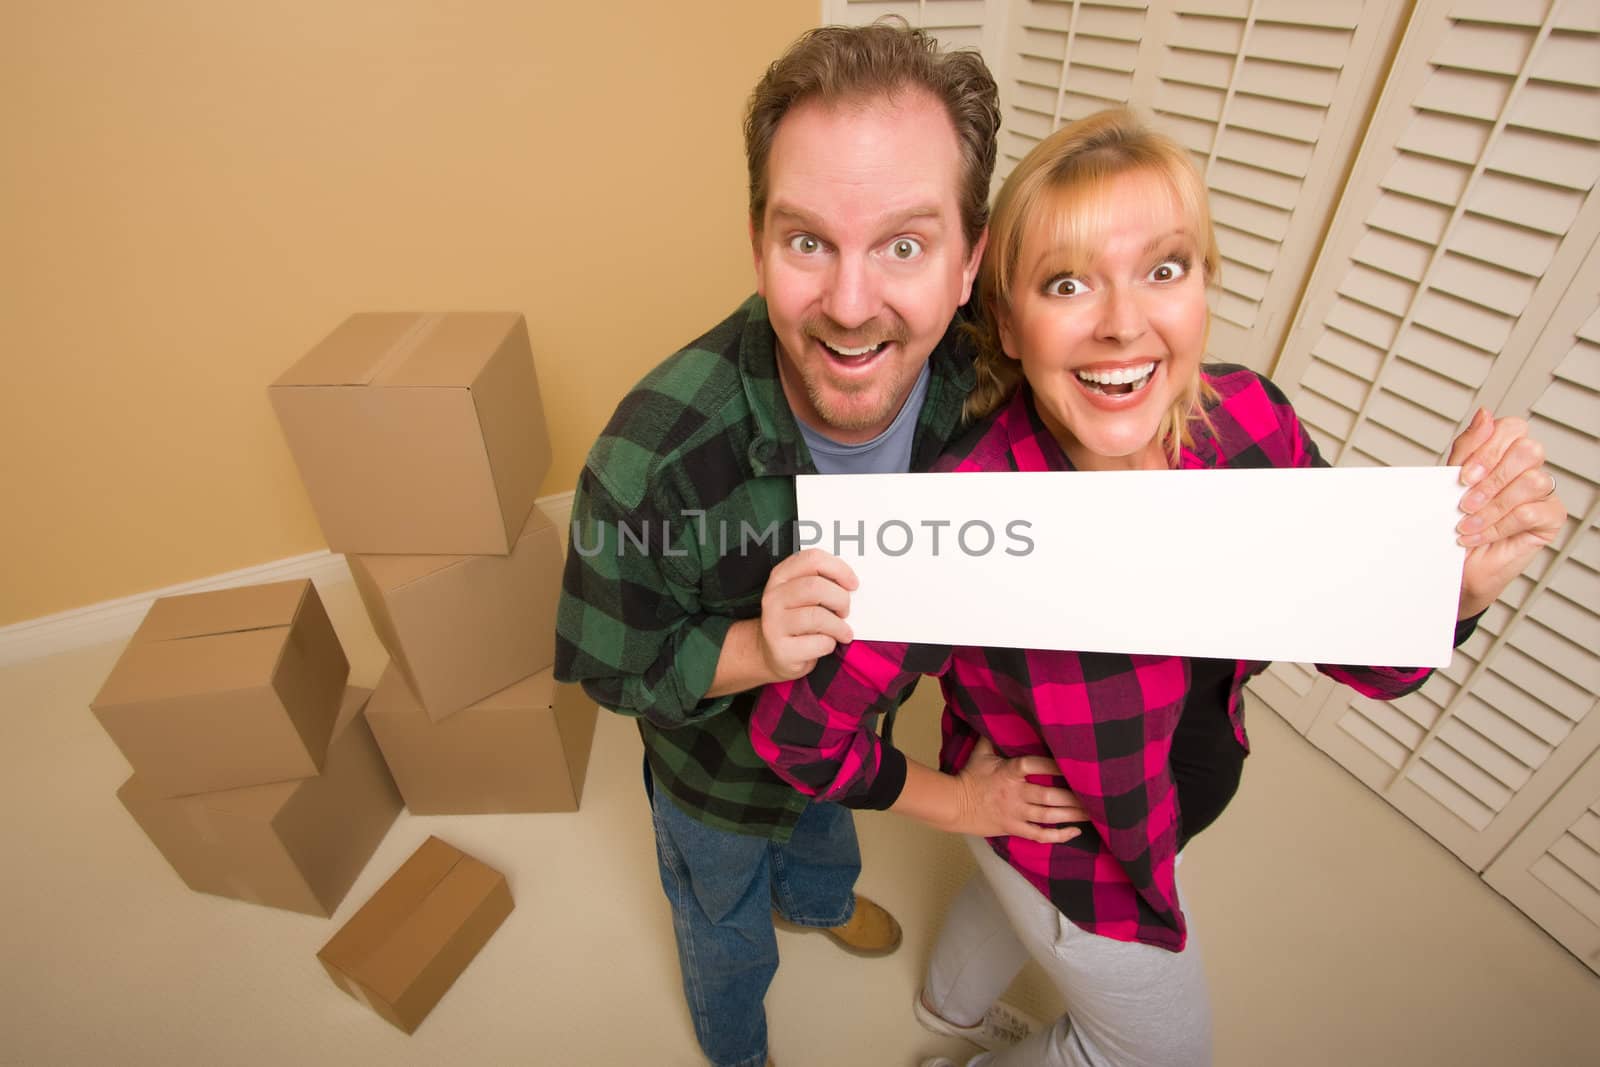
x,y
997,798
802,612
1510,508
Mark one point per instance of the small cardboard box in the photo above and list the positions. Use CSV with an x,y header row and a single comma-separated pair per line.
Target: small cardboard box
x,y
463,627
525,748
295,845
226,689
408,944
418,433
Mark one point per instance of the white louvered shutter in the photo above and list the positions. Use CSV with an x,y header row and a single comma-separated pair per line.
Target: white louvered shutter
x,y
1267,95
1462,270
1552,870
975,24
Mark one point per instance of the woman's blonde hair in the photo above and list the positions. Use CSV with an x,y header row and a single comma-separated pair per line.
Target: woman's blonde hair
x,y
1060,185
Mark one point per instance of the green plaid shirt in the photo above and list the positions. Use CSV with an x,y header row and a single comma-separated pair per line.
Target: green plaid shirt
x,y
683,508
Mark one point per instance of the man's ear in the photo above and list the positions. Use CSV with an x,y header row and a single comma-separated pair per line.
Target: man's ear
x,y
755,252
969,271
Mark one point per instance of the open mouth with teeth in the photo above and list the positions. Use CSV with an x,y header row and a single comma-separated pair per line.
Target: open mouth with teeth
x,y
850,355
1119,382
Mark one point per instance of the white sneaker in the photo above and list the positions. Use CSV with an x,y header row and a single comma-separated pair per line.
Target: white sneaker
x,y
1001,1026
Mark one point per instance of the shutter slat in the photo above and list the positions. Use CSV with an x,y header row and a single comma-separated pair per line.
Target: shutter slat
x,y
1264,187
1580,860
1478,326
1407,216
1393,255
1445,355
1425,178
1374,740
1572,406
1460,140
1465,92
1587,829
1259,219
1203,33
1197,68
1389,448
1569,58
1364,323
1278,118
1479,282
1559,109
1505,733
1566,884
1456,800
1546,158
1334,421
1348,354
1466,774
1501,244
1531,204
1305,46
1246,248
1426,429
1496,49
1302,85
1275,154
1484,755
1191,101
1343,388
1386,292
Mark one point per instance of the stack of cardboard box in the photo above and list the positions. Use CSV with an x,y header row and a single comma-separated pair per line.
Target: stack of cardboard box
x,y
254,771
422,443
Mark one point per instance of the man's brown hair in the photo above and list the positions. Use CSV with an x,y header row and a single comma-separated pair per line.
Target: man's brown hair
x,y
853,63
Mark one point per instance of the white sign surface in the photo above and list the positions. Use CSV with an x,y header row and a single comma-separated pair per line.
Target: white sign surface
x,y
1324,565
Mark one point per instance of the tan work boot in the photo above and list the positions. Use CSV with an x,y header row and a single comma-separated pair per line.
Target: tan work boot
x,y
871,931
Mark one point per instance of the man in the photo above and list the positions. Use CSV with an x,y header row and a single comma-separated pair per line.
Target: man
x,y
869,155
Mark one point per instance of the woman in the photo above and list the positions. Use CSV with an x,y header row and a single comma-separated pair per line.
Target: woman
x,y
1093,323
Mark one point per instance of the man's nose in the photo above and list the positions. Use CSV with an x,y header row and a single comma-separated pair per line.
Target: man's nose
x,y
1123,318
853,295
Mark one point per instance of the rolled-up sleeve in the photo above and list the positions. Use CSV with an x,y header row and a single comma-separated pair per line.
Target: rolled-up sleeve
x,y
819,732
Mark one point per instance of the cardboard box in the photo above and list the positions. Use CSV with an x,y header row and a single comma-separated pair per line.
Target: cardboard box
x,y
226,689
525,748
463,627
294,845
408,944
418,433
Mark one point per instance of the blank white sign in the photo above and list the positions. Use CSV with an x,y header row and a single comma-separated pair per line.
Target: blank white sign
x,y
1324,565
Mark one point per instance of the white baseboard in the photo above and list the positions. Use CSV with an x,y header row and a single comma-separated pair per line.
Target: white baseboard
x,y
115,620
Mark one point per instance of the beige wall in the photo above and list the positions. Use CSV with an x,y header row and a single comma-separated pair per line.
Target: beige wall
x,y
191,194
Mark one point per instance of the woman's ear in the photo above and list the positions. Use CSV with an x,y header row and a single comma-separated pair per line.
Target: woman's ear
x,y
1008,336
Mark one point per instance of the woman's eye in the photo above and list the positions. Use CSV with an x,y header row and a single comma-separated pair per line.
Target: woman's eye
x,y
1169,270
1065,286
905,248
805,244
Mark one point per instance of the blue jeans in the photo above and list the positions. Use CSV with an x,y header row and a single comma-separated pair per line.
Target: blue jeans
x,y
723,887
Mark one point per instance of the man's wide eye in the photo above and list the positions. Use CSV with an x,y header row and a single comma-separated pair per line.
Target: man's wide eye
x,y
805,244
905,248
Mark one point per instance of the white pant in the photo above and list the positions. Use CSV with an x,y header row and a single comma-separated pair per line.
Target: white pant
x,y
1130,1004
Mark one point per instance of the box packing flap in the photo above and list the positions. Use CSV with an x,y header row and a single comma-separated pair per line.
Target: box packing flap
x,y
296,845
226,689
464,627
407,945
418,433
523,749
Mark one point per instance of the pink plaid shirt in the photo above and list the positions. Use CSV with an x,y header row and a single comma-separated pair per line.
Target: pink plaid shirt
x,y
1106,720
